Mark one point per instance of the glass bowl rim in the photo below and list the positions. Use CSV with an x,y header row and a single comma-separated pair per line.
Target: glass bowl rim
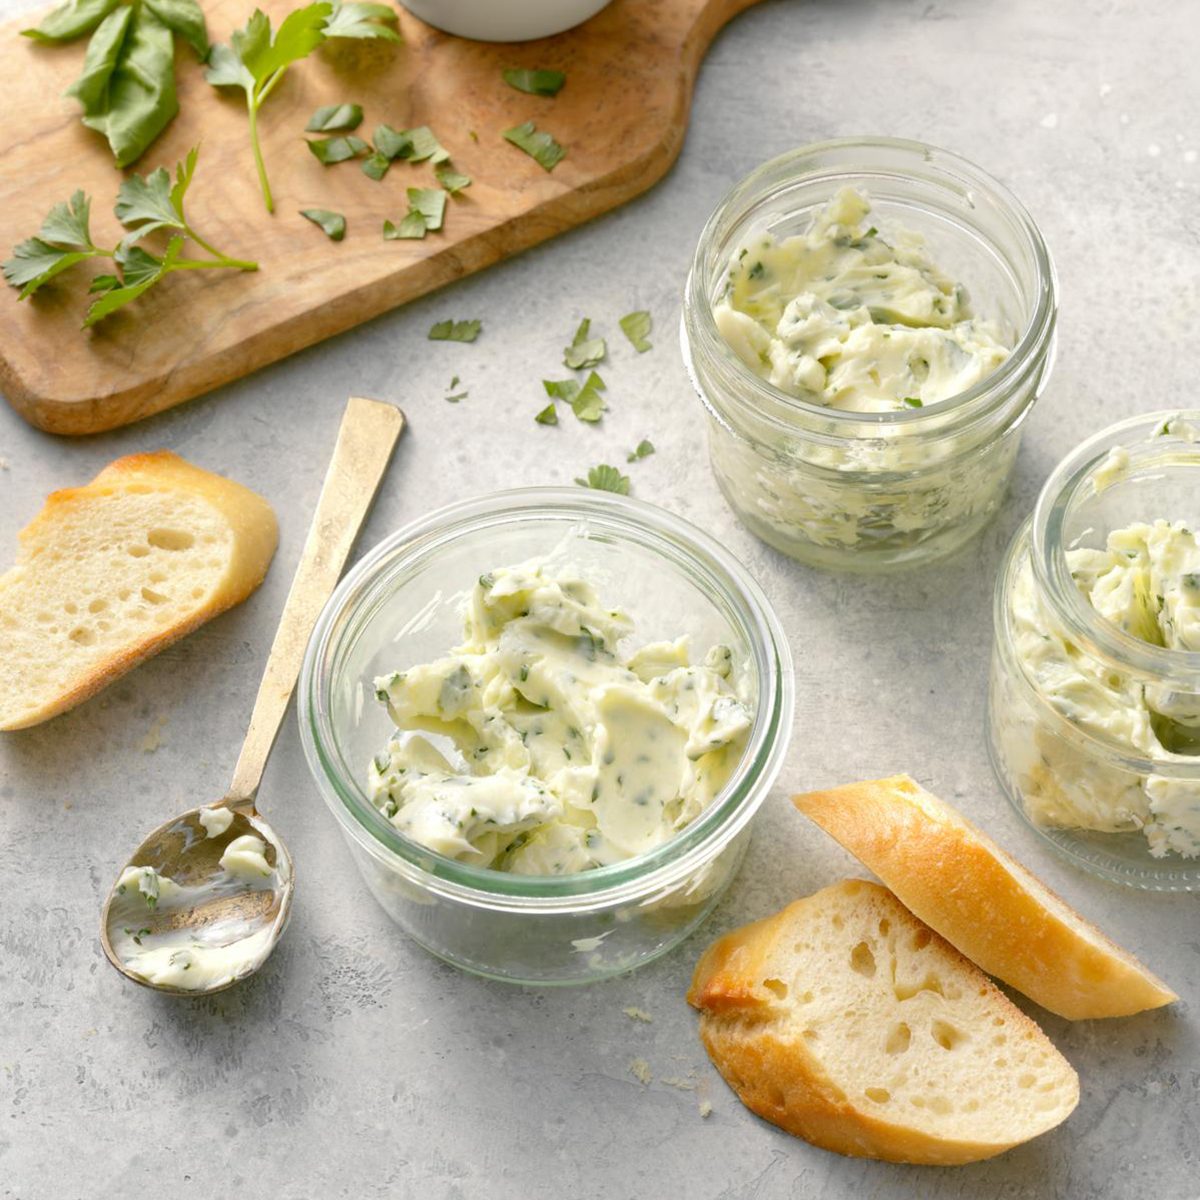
x,y
1067,484
978,402
420,540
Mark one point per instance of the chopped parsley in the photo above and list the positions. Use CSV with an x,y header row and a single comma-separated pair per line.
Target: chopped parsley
x,y
455,331
584,351
453,181
535,82
636,327
331,223
548,415
330,150
606,479
540,146
913,402
643,449
330,118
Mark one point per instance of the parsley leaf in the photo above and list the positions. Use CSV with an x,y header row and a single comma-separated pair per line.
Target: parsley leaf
x,y
256,61
913,402
541,147
535,82
338,149
425,146
587,404
127,87
643,449
548,415
332,223
455,331
143,206
584,351
561,389
606,479
392,143
411,227
426,208
450,179
375,165
330,118
636,327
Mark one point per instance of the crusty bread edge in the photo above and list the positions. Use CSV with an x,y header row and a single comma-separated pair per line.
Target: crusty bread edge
x,y
981,900
256,535
780,1080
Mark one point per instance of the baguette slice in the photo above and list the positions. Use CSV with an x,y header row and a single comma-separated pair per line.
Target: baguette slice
x,y
846,1021
957,880
110,573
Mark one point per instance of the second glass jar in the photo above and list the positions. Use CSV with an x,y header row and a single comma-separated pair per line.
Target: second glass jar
x,y
863,491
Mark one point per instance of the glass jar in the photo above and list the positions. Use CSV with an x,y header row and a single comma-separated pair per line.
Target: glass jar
x,y
402,604
1094,731
866,491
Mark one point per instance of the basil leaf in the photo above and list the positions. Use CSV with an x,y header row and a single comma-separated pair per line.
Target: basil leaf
x,y
362,21
127,88
643,449
331,117
71,20
588,405
606,479
548,415
333,224
332,150
450,179
185,18
430,203
535,82
541,147
413,226
455,331
636,327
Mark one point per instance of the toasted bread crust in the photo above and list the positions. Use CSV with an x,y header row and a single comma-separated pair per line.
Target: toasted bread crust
x,y
255,536
959,882
775,1074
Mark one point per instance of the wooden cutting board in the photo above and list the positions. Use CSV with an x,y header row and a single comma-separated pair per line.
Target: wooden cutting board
x,y
621,116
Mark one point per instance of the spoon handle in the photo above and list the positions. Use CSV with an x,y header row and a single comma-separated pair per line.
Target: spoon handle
x,y
365,442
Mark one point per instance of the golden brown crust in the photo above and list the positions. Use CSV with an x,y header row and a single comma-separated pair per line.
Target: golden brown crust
x,y
962,884
746,1033
255,536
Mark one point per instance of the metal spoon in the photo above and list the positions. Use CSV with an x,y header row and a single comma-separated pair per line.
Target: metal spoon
x,y
211,893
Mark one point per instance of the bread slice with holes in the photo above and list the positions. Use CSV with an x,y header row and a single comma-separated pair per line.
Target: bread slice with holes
x,y
957,880
846,1021
110,573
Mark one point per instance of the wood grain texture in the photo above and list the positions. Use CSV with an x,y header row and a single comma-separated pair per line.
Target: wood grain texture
x,y
622,117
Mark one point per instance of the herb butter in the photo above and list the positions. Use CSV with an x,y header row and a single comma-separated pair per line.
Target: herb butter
x,y
846,318
538,747
1146,581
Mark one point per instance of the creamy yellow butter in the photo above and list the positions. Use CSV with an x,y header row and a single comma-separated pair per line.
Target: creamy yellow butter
x,y
843,317
537,747
1146,581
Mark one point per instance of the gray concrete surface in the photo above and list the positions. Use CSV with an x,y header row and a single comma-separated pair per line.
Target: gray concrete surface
x,y
355,1065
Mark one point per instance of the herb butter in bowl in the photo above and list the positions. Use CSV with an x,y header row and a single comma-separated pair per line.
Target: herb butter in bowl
x,y
544,719
867,323
1094,709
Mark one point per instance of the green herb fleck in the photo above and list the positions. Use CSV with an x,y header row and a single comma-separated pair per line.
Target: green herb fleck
x,y
331,118
426,209
756,271
375,165
643,449
587,404
541,147
333,224
330,150
913,402
535,82
453,181
455,331
606,479
425,146
548,415
584,351
636,327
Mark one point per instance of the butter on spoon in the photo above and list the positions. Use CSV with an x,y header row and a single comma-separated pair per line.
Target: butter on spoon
x,y
206,897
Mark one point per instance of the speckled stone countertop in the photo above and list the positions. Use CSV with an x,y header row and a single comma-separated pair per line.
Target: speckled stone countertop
x,y
356,1065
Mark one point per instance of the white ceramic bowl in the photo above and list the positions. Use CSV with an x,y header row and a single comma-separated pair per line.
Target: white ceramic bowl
x,y
504,20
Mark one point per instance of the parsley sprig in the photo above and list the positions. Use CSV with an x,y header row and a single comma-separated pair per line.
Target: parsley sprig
x,y
145,205
257,60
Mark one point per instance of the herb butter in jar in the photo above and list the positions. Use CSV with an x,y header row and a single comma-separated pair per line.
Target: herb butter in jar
x,y
1094,709
867,323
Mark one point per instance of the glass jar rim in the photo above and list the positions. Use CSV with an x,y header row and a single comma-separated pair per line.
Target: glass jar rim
x,y
692,847
927,163
1148,440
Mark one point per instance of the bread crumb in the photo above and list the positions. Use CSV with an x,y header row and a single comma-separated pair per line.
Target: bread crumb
x,y
705,1108
640,1070
154,737
637,1014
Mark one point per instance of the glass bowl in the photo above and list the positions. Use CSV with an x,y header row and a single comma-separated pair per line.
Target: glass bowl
x,y
1058,770
402,605
874,491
